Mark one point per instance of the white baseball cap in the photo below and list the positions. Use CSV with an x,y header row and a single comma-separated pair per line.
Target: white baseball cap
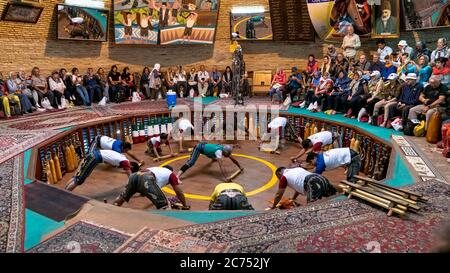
x,y
411,76
402,43
375,73
392,76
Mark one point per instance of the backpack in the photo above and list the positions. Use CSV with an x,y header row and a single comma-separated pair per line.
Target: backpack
x,y
408,127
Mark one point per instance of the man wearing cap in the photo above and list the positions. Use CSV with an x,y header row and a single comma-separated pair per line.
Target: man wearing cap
x,y
216,152
386,24
294,84
409,96
388,95
404,48
383,49
432,99
388,67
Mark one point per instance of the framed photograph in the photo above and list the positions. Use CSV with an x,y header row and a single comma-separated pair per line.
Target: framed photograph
x,y
21,12
79,23
252,25
386,19
424,14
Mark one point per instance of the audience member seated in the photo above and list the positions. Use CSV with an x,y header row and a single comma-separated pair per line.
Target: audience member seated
x,y
145,82
328,66
77,80
170,79
181,82
383,49
114,81
103,81
424,70
322,91
71,89
193,83
313,84
24,83
278,84
388,67
406,66
294,85
13,89
389,94
128,82
363,64
432,99
442,71
203,81
375,88
353,103
376,63
58,88
93,86
332,53
312,65
227,79
442,51
421,49
340,90
342,64
409,96
8,100
215,85
40,85
404,48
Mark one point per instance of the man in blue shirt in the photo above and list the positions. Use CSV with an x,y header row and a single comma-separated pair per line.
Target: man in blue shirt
x,y
106,143
409,96
336,158
294,85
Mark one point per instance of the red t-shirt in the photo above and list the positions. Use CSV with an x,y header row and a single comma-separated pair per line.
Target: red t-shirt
x,y
125,165
317,147
283,183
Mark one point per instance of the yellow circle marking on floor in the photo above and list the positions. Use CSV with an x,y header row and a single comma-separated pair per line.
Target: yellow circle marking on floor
x,y
245,38
265,187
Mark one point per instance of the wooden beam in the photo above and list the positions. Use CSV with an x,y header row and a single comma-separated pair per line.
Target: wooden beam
x,y
234,175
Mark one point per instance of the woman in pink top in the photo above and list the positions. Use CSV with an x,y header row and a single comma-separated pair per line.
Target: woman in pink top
x,y
278,83
312,65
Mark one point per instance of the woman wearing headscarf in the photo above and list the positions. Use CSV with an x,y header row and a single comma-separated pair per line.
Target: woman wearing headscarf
x,y
312,65
322,91
155,82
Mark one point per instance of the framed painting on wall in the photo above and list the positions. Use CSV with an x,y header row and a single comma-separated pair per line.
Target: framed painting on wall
x,y
21,12
386,19
423,14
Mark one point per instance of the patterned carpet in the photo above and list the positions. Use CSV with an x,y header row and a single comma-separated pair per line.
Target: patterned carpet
x,y
342,226
83,237
160,241
12,209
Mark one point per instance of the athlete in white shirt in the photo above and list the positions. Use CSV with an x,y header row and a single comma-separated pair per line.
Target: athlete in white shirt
x,y
317,141
96,157
149,183
314,186
275,129
183,125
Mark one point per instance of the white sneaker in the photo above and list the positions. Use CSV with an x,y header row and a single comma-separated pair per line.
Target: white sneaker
x,y
60,107
40,109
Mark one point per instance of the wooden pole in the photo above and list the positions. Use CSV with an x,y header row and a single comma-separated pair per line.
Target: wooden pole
x,y
234,175
164,157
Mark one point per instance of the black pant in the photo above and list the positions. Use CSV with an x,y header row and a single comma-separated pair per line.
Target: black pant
x,y
49,95
371,105
145,184
95,93
58,97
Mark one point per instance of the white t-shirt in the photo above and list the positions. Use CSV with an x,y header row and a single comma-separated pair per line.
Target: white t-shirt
x,y
154,140
112,158
278,122
106,142
325,137
184,124
296,178
162,175
335,158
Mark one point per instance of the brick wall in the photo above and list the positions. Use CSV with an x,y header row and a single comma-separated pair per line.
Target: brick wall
x,y
25,45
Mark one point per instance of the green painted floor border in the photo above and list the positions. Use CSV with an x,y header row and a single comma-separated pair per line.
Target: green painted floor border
x,y
26,164
36,227
202,217
206,100
382,133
